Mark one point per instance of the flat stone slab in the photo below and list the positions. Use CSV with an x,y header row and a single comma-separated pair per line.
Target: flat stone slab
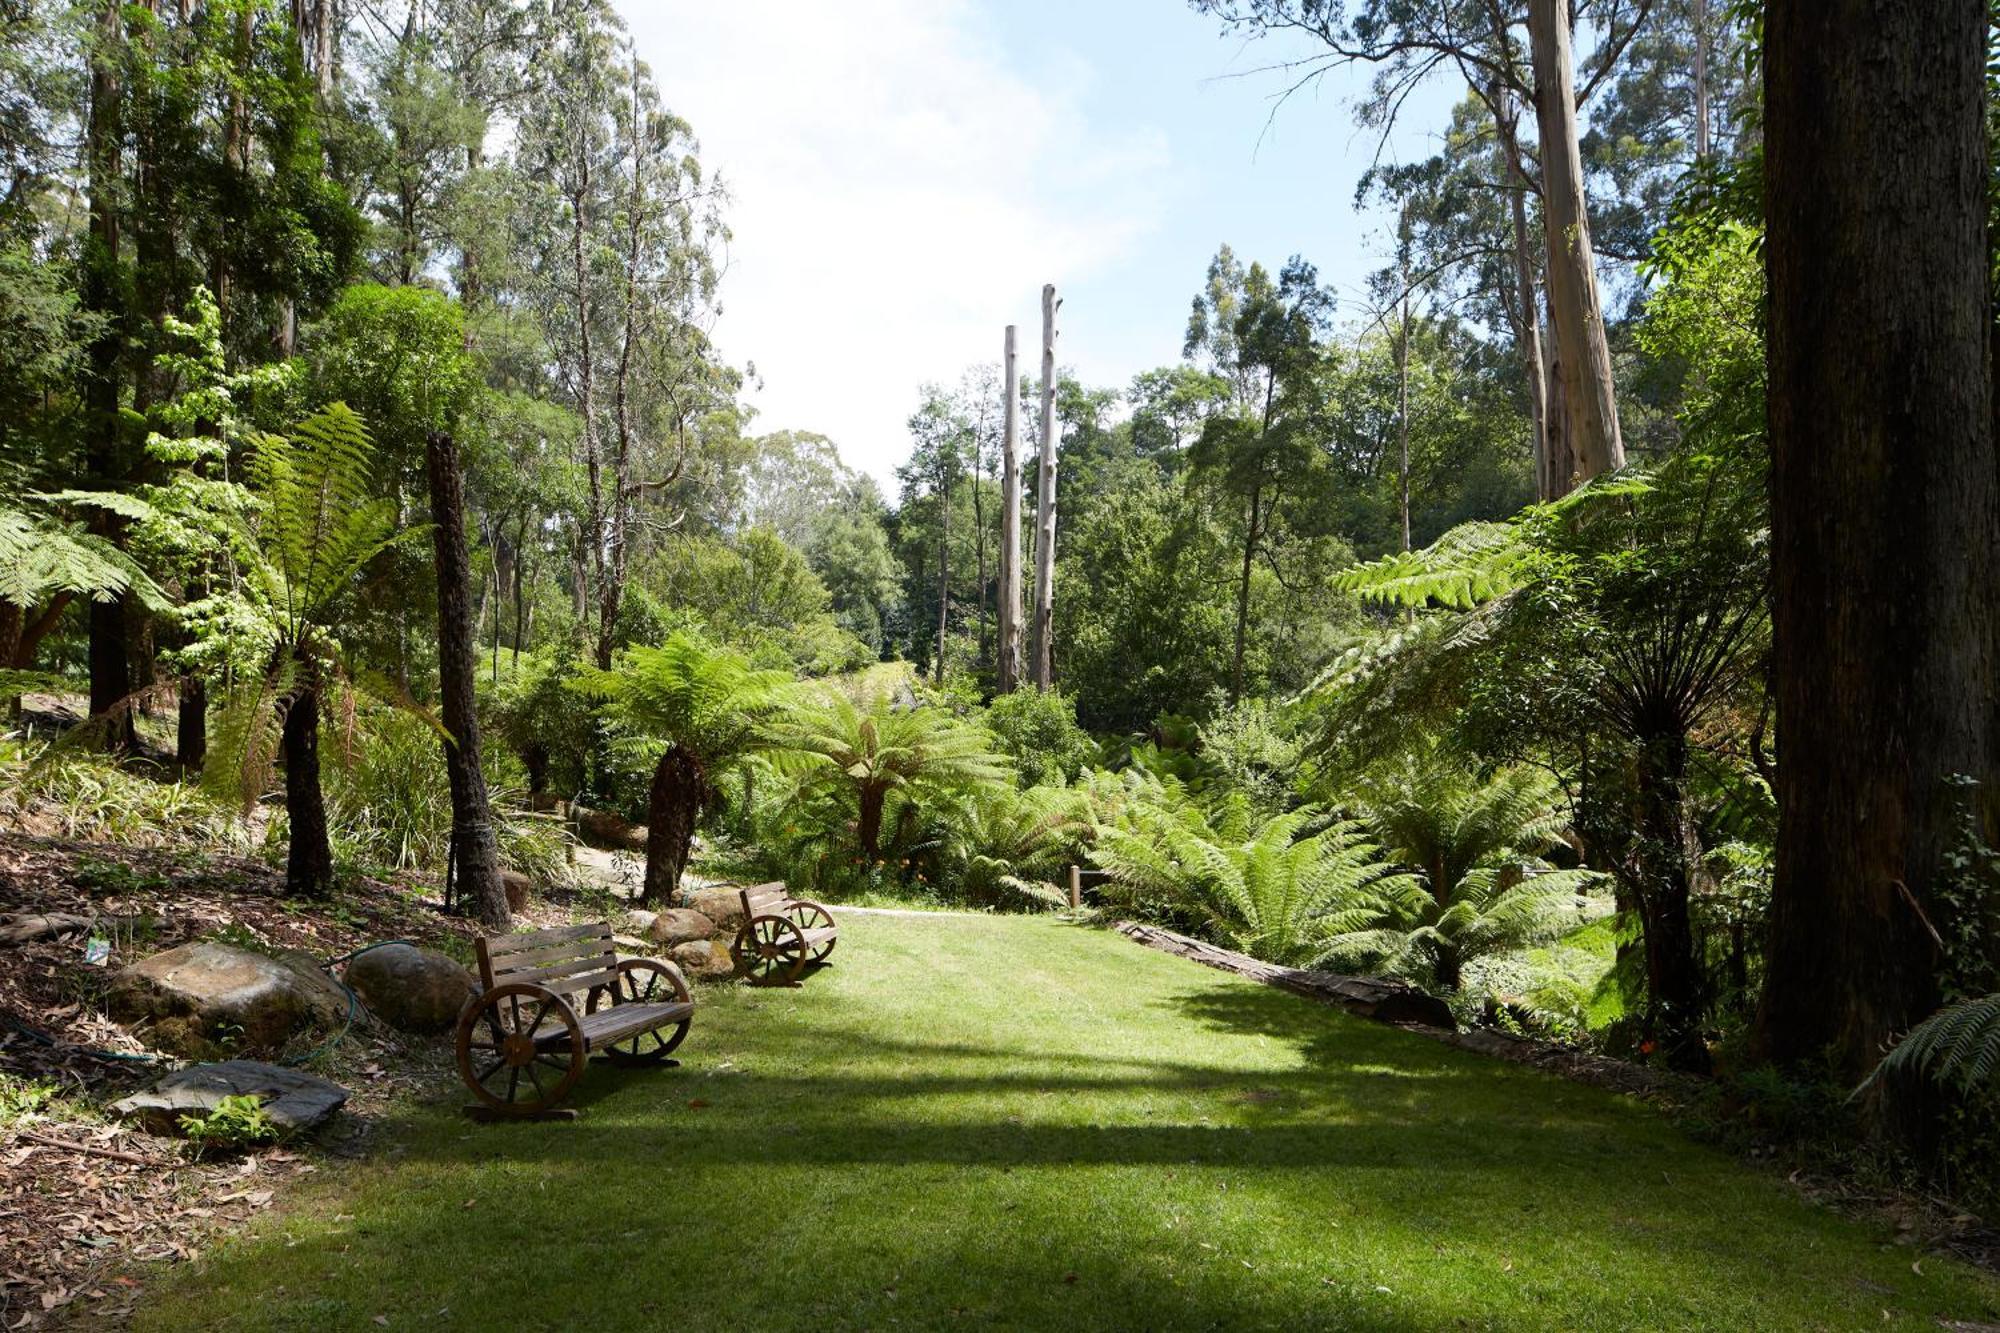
x,y
292,1099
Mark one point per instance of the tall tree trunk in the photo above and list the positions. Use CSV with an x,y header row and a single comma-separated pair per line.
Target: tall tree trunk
x,y
110,669
475,850
679,794
944,564
309,859
1403,413
1701,134
979,535
1010,522
1251,534
1042,669
1525,308
1885,504
1590,399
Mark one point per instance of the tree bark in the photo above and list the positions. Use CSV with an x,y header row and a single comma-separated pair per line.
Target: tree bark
x,y
1403,413
944,560
868,826
191,725
1701,134
679,794
110,669
1042,669
309,858
1885,506
1589,397
475,851
1010,522
1525,308
1659,866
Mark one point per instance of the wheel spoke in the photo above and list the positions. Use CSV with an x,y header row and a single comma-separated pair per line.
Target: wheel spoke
x,y
489,1071
541,1093
513,1081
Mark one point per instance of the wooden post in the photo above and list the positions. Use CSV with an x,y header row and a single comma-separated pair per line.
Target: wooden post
x,y
1010,522
1041,669
1076,886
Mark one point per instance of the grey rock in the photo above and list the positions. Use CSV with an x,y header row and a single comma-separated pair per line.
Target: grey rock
x,y
209,996
411,989
293,1100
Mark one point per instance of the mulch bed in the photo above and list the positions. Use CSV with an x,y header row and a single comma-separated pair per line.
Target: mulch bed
x,y
75,1224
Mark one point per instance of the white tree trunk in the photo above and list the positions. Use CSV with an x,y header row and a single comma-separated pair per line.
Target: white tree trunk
x,y
1010,522
1701,135
1589,398
1041,670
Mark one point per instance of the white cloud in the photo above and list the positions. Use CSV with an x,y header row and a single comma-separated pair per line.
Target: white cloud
x,y
899,194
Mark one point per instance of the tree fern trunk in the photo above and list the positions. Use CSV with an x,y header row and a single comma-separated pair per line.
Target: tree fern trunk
x,y
868,829
679,793
309,859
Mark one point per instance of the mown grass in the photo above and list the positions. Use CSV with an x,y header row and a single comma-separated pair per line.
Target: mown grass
x,y
1019,1123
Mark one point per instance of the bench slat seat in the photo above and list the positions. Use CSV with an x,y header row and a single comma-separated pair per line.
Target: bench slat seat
x,y
622,1020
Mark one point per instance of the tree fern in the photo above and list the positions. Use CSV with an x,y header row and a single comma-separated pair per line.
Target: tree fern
x,y
1471,564
1957,1045
1473,845
1263,889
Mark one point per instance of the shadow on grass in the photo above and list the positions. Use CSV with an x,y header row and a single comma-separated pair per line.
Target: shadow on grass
x,y
1256,1161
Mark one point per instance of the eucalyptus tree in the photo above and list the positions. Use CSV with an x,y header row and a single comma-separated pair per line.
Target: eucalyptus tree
x,y
619,224
1516,59
1883,574
1263,339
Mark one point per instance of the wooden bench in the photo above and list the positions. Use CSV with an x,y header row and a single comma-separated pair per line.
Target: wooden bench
x,y
522,1043
781,935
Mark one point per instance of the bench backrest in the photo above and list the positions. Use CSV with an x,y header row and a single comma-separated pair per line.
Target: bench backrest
x,y
765,899
565,960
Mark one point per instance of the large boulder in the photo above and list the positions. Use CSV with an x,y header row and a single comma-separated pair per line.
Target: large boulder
x,y
679,925
411,989
722,905
208,996
704,960
293,1100
605,829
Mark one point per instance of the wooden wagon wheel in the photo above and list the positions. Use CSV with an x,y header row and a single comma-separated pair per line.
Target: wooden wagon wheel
x,y
770,951
520,1048
810,916
644,981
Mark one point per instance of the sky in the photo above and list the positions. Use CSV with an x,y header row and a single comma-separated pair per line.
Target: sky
x,y
904,175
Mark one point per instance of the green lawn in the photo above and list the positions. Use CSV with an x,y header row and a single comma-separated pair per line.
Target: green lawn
x,y
1018,1123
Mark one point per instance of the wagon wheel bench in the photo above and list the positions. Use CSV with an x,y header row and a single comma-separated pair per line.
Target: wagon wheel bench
x,y
522,1044
781,935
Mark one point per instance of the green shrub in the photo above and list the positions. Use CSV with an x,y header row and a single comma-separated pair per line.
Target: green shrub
x,y
91,796
389,803
232,1123
1040,732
